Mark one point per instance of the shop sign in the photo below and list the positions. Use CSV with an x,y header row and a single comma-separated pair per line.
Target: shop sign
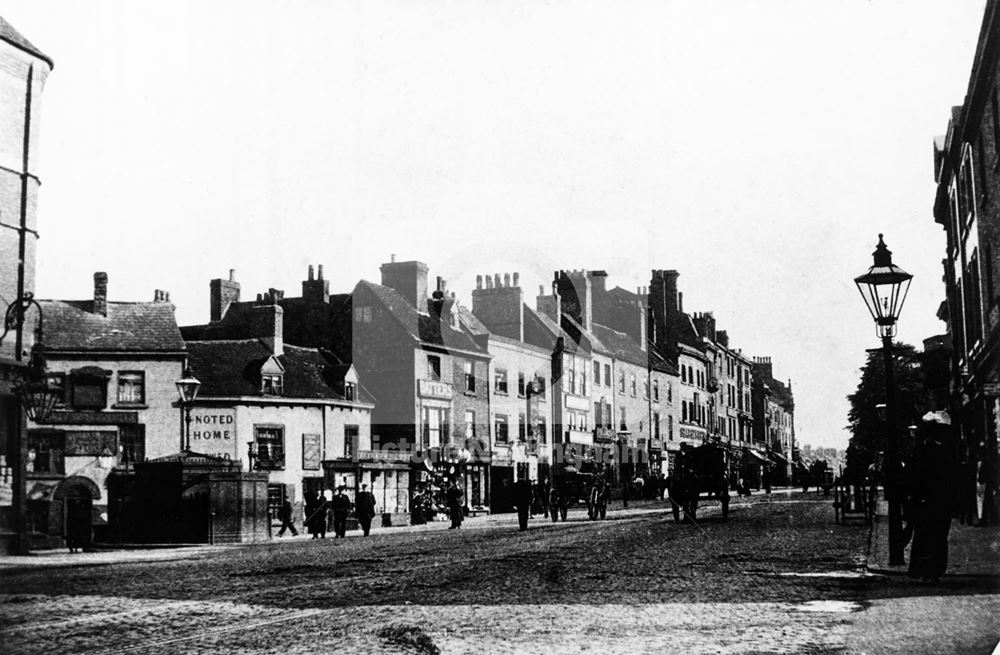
x,y
91,443
434,389
213,425
577,402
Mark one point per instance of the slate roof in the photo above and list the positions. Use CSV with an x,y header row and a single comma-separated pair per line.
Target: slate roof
x,y
232,368
13,37
71,325
427,329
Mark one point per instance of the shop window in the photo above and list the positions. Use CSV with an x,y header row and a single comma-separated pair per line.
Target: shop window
x,y
46,451
131,388
269,444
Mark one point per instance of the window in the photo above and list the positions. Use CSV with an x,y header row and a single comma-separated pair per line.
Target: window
x,y
522,427
656,425
520,384
501,428
540,386
352,434
269,444
363,314
275,499
470,424
434,426
597,373
607,375
540,429
656,391
670,427
131,387
645,388
470,380
350,391
45,451
434,367
631,380
598,414
621,382
271,384
684,374
684,411
500,381
132,443
670,393
571,377
583,384
623,424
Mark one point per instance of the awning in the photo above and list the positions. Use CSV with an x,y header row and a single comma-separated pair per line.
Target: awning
x,y
778,457
759,456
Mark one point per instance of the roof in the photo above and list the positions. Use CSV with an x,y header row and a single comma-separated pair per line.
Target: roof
x,y
13,37
232,368
425,328
620,345
71,325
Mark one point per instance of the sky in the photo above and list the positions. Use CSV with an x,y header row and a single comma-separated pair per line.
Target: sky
x,y
757,147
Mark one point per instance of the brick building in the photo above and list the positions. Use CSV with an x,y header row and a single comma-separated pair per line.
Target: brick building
x,y
23,71
773,420
967,206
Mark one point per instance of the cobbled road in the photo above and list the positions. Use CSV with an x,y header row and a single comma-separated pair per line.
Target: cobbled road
x,y
779,576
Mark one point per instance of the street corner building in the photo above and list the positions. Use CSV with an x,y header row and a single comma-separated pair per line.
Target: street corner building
x,y
115,365
967,206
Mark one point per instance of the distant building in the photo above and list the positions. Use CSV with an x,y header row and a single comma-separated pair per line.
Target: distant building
x,y
773,419
967,205
117,363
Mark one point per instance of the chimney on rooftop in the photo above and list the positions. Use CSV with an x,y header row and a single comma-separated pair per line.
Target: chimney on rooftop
x,y
409,279
222,293
316,289
101,293
501,309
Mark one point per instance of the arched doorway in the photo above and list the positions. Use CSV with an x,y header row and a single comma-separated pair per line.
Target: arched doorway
x,y
78,495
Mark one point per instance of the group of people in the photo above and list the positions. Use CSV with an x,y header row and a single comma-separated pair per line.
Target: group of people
x,y
322,514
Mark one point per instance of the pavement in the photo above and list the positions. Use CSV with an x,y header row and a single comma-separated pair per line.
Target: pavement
x,y
972,550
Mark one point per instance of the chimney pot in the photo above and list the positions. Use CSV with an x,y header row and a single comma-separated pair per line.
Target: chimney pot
x,y
496,280
506,279
320,271
392,258
479,281
101,293
541,289
311,276
517,279
232,275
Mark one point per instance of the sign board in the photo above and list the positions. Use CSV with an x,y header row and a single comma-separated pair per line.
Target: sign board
x,y
991,388
92,442
311,452
434,389
213,431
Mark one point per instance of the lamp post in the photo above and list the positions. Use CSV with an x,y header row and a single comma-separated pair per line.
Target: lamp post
x,y
884,287
187,388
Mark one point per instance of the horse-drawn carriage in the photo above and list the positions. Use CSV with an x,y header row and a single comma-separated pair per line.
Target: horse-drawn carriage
x,y
571,486
699,473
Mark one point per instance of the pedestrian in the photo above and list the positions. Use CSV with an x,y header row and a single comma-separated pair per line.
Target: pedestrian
x,y
933,479
315,514
544,492
454,500
341,510
364,508
522,500
285,514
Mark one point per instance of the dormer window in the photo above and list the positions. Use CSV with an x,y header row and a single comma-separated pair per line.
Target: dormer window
x,y
350,391
271,384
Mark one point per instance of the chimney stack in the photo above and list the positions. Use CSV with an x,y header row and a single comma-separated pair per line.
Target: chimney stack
x,y
409,279
222,293
101,293
316,289
501,309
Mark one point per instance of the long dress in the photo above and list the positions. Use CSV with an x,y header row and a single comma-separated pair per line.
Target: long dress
x,y
931,507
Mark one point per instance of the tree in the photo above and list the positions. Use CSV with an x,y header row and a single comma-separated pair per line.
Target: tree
x,y
867,422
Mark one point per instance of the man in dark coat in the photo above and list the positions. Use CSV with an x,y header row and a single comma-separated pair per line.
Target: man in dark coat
x,y
364,508
522,500
341,510
454,497
316,509
934,479
285,514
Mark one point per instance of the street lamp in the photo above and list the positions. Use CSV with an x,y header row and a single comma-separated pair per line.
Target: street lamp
x,y
884,287
188,387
